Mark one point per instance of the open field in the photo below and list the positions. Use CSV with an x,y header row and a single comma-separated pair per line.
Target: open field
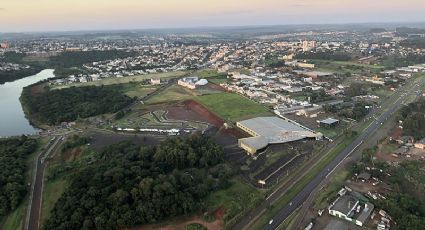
x,y
172,93
122,80
345,66
52,191
137,90
237,199
233,107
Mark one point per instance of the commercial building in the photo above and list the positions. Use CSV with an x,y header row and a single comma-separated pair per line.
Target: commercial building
x,y
350,208
271,130
328,122
192,82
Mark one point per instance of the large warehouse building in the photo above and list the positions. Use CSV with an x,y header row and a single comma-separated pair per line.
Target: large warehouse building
x,y
271,130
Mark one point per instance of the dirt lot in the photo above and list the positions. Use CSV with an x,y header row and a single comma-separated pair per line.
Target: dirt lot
x,y
102,139
181,224
182,111
308,121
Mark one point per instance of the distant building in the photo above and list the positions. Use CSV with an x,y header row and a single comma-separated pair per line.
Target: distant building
x,y
328,122
192,82
155,81
73,49
4,45
420,144
308,45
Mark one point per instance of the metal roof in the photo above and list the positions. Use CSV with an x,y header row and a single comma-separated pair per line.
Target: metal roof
x,y
276,130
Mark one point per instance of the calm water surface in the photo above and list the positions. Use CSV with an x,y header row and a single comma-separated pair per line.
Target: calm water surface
x,y
12,118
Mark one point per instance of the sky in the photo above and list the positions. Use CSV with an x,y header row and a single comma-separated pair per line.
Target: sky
x,y
66,15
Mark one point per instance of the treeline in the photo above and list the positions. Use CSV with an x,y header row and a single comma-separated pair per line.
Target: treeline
x,y
413,117
8,76
356,111
129,185
328,55
13,155
55,106
418,43
402,61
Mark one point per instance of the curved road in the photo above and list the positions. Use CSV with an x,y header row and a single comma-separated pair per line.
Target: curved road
x,y
287,210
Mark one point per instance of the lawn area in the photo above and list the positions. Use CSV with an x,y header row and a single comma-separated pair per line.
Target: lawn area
x,y
15,219
237,200
336,183
52,191
210,73
233,107
138,90
389,147
213,76
122,80
172,93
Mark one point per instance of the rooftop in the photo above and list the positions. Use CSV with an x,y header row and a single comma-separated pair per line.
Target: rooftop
x,y
329,121
276,130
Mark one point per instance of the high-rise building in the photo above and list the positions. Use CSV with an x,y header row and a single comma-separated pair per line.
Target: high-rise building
x,y
4,45
308,45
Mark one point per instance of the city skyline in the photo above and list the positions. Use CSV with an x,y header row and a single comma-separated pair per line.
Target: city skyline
x,y
49,15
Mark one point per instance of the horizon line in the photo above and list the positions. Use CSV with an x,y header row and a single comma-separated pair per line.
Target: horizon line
x,y
210,27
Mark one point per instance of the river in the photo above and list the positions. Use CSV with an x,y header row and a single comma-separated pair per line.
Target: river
x,y
12,118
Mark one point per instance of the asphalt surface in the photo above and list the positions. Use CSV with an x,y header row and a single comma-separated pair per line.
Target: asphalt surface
x,y
287,210
34,209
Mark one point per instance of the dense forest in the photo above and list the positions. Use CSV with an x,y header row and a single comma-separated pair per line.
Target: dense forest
x,y
129,185
331,56
413,117
55,106
13,155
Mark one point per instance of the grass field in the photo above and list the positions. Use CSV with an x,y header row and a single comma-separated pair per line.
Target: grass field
x,y
52,191
233,107
345,66
172,93
122,80
137,90
15,219
237,199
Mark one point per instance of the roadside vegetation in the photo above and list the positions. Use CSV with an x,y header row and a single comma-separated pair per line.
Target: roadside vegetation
x,y
13,155
413,117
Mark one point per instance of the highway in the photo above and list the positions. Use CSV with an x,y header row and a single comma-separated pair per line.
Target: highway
x,y
34,207
287,210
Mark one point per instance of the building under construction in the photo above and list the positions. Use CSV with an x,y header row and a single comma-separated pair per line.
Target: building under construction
x,y
271,130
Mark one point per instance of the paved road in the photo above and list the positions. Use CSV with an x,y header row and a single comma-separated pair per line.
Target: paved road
x,y
287,210
34,209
